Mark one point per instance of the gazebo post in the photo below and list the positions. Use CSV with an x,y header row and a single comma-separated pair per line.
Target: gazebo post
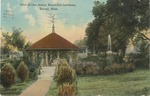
x,y
35,56
42,63
70,57
46,58
57,57
29,53
51,57
77,56
57,54
86,51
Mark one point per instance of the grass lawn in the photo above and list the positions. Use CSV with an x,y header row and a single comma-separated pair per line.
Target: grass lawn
x,y
16,89
136,83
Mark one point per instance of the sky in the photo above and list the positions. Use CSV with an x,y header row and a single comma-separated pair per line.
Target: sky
x,y
34,17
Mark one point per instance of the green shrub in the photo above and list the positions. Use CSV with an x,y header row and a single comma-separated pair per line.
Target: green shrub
x,y
91,58
67,90
15,63
119,68
123,68
33,73
101,67
7,75
116,68
65,74
22,71
79,70
108,70
101,70
92,70
87,68
140,60
130,67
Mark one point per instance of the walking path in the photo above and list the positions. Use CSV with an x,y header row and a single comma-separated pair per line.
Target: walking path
x,y
41,86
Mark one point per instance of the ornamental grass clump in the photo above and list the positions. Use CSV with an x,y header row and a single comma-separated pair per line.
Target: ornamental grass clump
x,y
7,75
65,74
67,90
22,71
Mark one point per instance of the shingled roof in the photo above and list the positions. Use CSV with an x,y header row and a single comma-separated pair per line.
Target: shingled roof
x,y
53,41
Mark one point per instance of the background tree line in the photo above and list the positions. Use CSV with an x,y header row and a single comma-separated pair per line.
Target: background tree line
x,y
124,20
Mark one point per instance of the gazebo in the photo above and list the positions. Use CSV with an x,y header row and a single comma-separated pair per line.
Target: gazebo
x,y
50,44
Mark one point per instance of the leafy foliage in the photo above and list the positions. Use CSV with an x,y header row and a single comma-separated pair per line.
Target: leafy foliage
x,y
7,75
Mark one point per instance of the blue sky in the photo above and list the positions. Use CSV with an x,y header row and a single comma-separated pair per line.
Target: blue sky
x,y
70,21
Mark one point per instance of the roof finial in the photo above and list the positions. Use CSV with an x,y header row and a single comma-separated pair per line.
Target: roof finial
x,y
53,21
53,28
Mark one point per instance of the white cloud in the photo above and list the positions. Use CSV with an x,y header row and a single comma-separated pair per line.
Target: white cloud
x,y
43,19
30,18
24,8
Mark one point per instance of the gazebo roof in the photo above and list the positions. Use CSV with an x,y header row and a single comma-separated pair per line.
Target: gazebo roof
x,y
53,41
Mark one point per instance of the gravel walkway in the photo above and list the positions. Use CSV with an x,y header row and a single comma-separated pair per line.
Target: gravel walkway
x,y
41,86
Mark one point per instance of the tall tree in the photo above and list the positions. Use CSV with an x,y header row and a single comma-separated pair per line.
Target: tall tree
x,y
92,29
13,41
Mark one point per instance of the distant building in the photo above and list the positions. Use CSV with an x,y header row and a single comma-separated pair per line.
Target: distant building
x,y
15,55
83,52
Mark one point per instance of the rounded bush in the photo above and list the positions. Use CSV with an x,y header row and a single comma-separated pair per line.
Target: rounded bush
x,y
22,71
7,75
65,74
